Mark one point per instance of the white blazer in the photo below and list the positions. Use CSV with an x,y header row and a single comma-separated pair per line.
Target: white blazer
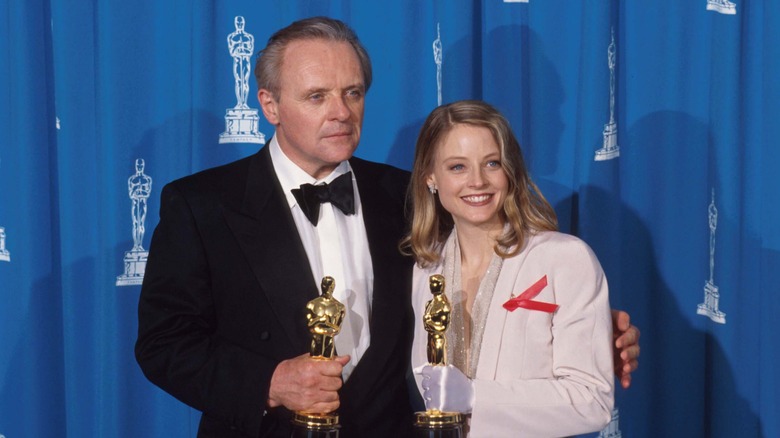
x,y
539,374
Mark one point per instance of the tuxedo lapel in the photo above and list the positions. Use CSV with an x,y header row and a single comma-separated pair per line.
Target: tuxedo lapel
x,y
264,228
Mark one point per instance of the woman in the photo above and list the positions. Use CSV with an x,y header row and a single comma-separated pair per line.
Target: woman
x,y
529,342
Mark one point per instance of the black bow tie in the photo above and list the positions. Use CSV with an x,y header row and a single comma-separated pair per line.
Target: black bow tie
x,y
339,193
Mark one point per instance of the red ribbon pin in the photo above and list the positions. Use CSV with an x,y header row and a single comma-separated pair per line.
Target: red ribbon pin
x,y
525,300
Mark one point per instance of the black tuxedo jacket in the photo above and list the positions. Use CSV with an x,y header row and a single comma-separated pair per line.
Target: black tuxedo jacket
x,y
224,293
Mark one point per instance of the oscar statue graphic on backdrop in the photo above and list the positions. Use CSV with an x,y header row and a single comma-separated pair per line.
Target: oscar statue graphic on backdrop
x,y
436,319
5,255
722,6
139,187
610,148
324,316
241,122
437,58
613,428
709,307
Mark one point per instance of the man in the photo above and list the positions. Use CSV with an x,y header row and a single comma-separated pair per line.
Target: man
x,y
240,250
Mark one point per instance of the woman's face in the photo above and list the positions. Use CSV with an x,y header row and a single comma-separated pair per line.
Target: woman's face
x,y
468,175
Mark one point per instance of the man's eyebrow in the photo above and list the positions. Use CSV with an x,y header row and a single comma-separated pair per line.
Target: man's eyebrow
x,y
314,90
359,85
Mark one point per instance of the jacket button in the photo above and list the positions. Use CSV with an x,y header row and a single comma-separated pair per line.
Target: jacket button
x,y
264,336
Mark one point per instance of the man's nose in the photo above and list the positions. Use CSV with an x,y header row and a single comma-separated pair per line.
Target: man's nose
x,y
339,110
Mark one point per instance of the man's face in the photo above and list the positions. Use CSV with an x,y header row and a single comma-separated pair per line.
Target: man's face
x,y
318,113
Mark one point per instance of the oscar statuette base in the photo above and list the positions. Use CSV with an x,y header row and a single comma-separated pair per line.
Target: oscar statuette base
x,y
241,126
315,425
437,424
135,266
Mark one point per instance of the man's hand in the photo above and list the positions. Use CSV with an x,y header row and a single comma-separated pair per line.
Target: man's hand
x,y
306,384
626,352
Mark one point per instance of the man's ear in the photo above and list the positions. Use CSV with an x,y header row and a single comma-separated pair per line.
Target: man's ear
x,y
269,105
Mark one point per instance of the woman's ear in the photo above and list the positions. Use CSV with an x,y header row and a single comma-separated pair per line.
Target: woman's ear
x,y
431,183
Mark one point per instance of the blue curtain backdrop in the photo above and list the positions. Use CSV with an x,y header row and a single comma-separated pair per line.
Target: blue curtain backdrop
x,y
652,127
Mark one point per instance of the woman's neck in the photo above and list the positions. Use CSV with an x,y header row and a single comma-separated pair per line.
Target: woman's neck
x,y
477,246
476,251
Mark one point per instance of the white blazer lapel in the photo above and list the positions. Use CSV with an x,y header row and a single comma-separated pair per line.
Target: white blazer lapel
x,y
497,323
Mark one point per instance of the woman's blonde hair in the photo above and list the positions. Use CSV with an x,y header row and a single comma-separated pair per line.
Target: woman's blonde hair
x,y
525,209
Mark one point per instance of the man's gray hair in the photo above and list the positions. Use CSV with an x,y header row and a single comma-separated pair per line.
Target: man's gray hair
x,y
269,60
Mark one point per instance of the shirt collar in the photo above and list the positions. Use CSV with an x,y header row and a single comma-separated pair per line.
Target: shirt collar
x,y
291,176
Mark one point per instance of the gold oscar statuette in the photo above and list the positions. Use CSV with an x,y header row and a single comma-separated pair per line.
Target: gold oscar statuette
x,y
324,316
434,423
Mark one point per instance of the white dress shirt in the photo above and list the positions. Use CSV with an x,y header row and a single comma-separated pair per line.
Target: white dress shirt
x,y
338,247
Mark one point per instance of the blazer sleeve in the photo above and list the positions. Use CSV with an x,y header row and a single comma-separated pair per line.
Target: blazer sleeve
x,y
179,347
570,387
